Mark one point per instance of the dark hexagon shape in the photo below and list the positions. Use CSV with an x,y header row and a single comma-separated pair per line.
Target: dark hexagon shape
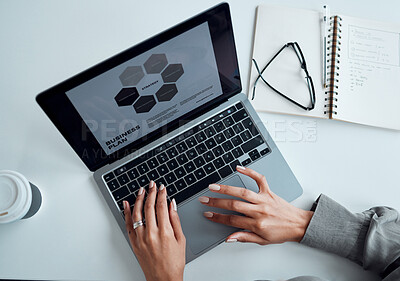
x,y
155,63
166,92
172,73
131,75
144,104
126,96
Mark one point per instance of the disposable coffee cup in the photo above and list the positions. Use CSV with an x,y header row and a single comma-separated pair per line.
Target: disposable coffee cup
x,y
19,199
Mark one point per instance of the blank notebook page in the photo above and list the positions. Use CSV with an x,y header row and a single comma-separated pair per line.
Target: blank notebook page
x,y
276,26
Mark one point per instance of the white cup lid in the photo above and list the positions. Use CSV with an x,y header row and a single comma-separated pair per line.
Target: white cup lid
x,y
15,196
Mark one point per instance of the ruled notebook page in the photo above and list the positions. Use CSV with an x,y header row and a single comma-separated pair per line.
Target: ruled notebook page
x,y
369,91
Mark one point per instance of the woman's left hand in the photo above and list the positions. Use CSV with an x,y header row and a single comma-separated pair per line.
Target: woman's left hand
x,y
159,245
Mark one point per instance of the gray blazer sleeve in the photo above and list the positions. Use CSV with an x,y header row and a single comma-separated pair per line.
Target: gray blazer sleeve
x,y
370,238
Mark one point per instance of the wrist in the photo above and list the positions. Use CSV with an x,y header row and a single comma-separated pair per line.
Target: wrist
x,y
303,221
173,277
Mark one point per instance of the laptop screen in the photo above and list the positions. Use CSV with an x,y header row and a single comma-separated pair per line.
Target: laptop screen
x,y
127,101
150,90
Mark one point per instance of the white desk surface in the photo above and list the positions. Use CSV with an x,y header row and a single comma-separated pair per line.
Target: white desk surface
x,y
74,236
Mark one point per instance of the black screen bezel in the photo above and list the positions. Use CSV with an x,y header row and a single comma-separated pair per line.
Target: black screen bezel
x,y
64,116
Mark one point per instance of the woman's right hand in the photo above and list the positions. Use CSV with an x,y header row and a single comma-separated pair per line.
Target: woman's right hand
x,y
268,218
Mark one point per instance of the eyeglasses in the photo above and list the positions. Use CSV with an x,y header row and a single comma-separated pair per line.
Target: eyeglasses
x,y
295,46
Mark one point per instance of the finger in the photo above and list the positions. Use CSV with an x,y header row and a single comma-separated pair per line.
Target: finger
x,y
175,221
138,210
229,204
232,220
162,210
245,236
128,221
259,178
239,192
149,211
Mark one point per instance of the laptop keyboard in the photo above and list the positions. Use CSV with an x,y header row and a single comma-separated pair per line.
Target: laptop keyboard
x,y
188,163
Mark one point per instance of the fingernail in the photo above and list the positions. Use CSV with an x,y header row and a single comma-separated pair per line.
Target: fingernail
x,y
174,205
231,240
125,205
151,185
208,214
162,187
240,167
204,199
141,191
214,187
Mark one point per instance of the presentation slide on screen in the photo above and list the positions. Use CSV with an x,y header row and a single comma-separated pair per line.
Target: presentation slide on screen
x,y
150,90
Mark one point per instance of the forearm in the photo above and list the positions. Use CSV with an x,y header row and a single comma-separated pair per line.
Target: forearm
x,y
371,238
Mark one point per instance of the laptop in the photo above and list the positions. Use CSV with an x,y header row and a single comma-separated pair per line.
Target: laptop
x,y
170,109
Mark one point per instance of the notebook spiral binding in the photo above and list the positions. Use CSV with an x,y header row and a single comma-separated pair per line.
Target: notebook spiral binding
x,y
333,65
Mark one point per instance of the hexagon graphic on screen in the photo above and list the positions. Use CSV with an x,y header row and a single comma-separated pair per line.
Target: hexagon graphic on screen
x,y
172,73
166,92
131,76
155,63
144,104
126,96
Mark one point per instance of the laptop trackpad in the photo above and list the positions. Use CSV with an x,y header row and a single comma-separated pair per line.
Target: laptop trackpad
x,y
200,232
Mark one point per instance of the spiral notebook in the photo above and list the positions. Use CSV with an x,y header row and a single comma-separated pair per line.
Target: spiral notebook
x,y
361,59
